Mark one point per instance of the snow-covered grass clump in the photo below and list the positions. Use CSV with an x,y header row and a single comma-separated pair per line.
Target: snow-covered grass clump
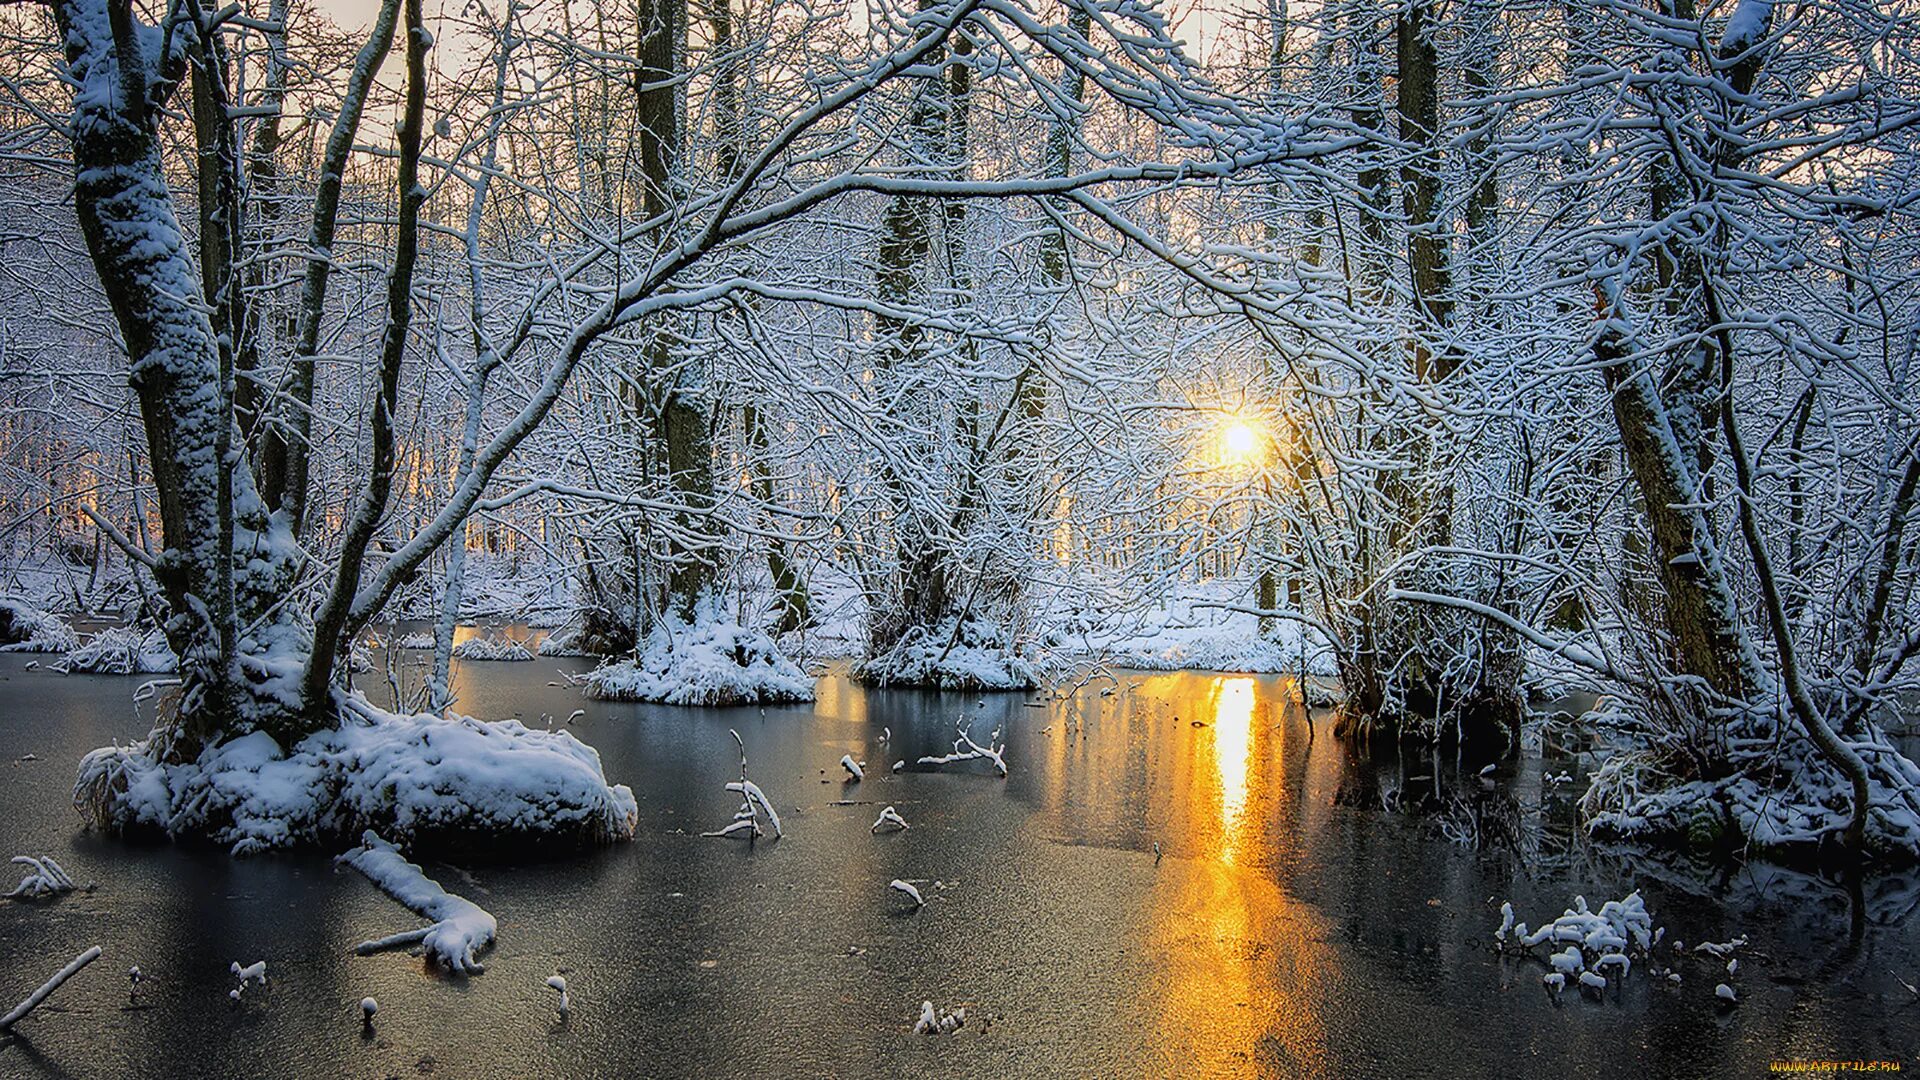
x,y
713,661
460,930
122,650
491,648
419,639
966,654
442,782
28,629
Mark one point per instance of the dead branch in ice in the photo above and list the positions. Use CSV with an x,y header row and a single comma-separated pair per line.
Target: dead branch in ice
x,y
753,803
855,771
44,878
889,819
965,749
907,889
460,929
34,999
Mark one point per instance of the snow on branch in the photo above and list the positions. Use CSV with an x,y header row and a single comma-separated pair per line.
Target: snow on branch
x,y
461,928
754,803
965,749
34,999
45,878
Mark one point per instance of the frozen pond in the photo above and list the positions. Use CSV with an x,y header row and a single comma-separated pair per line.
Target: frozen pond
x,y
1299,922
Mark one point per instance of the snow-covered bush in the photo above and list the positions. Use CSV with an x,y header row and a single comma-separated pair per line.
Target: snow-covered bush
x,y
423,781
28,629
711,662
963,654
1777,796
491,648
122,650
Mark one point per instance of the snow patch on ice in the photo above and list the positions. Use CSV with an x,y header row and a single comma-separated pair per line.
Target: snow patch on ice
x,y
490,648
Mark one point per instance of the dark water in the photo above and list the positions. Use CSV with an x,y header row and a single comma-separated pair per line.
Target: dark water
x,y
1309,916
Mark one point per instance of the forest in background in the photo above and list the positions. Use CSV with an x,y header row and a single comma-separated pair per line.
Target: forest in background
x,y
1475,346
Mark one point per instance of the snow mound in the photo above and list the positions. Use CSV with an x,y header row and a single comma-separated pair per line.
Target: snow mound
x,y
712,662
426,781
489,648
122,650
969,654
415,640
28,629
460,928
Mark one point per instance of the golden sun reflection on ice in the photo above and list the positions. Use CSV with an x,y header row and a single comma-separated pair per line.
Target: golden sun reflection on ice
x,y
1232,738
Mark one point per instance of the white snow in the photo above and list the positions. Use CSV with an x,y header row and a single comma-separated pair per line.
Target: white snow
x,y
558,983
969,654
461,929
753,802
414,779
907,889
938,1023
889,819
368,1007
965,749
1724,992
855,773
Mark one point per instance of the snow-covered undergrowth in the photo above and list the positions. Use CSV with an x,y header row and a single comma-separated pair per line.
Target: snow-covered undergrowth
x,y
419,639
24,628
423,781
460,930
491,648
967,654
1775,795
122,650
714,661
1196,628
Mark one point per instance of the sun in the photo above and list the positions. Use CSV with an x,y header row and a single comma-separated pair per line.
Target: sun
x,y
1239,443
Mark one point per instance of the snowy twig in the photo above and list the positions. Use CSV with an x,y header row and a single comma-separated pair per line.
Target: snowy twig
x,y
34,999
889,819
461,928
965,749
753,802
46,879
